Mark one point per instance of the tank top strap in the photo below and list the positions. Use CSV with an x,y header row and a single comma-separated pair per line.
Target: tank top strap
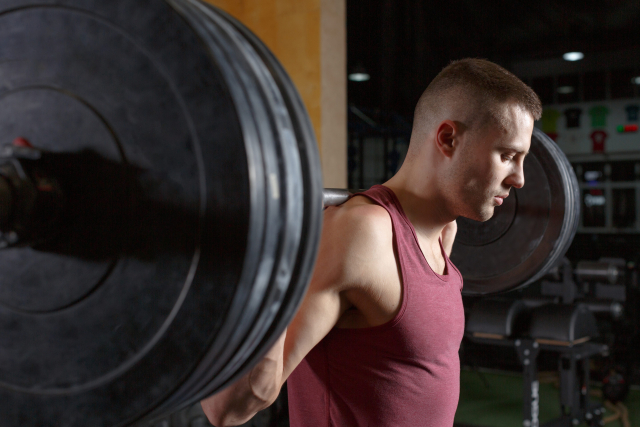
x,y
411,258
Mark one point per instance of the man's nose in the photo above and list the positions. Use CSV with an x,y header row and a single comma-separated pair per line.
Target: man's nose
x,y
516,179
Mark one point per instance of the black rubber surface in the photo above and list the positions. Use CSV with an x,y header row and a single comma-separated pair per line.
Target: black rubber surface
x,y
193,207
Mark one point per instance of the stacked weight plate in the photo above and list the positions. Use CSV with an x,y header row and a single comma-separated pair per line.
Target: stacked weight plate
x,y
290,273
529,233
193,207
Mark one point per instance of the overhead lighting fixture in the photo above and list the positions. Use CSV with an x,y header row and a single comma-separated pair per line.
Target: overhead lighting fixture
x,y
636,80
566,89
359,74
573,56
359,77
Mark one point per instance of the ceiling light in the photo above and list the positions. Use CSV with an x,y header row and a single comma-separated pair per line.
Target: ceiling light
x,y
359,74
573,56
359,77
636,80
566,89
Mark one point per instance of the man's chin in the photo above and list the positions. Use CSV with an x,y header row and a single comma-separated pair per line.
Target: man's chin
x,y
480,216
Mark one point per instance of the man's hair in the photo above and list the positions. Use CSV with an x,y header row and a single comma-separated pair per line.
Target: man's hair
x,y
485,85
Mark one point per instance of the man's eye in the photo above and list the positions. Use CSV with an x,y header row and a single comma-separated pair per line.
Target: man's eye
x,y
506,158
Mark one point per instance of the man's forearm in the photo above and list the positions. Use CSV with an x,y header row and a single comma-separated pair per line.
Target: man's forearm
x,y
235,405
252,393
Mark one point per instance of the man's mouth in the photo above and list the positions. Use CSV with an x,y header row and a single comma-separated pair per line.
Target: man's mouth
x,y
500,199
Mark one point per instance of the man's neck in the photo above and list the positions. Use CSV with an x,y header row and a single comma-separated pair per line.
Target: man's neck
x,y
425,209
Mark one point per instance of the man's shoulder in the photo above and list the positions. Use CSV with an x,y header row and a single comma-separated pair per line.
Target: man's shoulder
x,y
359,218
359,237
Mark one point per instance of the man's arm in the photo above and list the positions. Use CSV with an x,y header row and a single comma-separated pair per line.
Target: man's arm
x,y
252,393
348,241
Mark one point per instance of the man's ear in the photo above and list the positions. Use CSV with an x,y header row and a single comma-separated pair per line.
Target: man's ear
x,y
446,136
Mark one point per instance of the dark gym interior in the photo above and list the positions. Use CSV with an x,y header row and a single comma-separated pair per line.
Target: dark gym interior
x,y
403,45
161,198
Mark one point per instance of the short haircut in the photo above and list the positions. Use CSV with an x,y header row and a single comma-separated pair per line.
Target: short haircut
x,y
485,85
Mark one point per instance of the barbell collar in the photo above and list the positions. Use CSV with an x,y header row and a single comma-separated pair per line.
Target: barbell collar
x,y
31,200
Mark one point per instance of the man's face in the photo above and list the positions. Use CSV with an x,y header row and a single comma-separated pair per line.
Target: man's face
x,y
490,162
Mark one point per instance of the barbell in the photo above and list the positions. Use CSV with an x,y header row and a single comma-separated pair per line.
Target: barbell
x,y
171,214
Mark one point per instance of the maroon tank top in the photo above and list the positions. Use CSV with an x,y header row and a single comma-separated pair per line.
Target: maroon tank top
x,y
404,373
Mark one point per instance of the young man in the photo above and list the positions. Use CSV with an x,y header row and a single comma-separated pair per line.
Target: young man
x,y
375,342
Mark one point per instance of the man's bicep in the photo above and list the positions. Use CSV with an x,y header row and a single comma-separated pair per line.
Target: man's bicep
x,y
347,245
322,305
318,314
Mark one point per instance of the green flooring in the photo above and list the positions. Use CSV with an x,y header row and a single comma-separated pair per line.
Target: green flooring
x,y
500,404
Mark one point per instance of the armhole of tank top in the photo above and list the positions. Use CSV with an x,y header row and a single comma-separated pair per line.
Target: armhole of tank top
x,y
405,289
403,217
450,266
442,277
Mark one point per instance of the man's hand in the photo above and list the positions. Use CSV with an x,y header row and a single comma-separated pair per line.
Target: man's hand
x,y
254,392
448,236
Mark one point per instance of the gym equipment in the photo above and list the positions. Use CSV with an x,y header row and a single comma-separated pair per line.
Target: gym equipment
x,y
597,271
554,323
161,236
191,207
527,236
615,387
562,329
334,196
530,233
496,318
588,288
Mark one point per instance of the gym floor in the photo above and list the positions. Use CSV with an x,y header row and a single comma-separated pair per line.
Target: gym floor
x,y
496,401
487,399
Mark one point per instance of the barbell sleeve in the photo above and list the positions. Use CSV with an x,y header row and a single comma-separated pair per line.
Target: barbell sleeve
x,y
334,196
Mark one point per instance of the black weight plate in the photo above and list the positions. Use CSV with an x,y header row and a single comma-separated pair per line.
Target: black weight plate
x,y
294,257
529,233
105,353
250,97
294,288
179,210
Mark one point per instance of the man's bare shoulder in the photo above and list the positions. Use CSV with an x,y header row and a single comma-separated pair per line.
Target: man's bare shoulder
x,y
358,218
356,242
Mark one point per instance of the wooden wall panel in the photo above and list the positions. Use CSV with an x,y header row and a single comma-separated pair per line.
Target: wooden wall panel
x,y
309,39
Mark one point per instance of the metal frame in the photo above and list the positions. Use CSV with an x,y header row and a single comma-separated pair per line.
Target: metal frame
x,y
575,403
607,187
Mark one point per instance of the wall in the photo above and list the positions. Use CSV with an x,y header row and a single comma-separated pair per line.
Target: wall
x,y
309,39
594,127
